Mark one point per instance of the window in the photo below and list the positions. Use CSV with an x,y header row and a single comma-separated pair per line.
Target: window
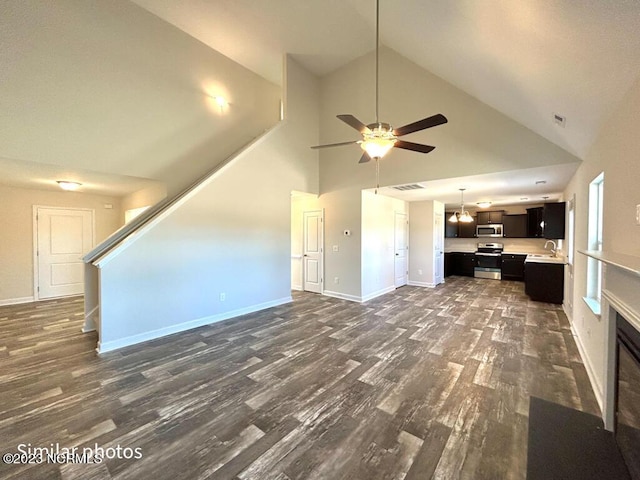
x,y
594,267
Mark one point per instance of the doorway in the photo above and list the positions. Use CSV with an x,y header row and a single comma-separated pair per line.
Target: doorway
x,y
312,254
62,236
401,228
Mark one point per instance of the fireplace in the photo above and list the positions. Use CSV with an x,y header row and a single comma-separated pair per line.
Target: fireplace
x,y
627,394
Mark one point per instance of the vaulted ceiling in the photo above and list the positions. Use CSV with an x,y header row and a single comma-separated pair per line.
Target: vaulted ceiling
x,y
529,59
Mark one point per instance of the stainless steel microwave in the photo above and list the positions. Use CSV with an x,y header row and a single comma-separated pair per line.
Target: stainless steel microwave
x,y
493,230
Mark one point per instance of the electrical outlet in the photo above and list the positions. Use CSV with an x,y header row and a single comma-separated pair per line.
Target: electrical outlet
x,y
336,280
223,297
638,214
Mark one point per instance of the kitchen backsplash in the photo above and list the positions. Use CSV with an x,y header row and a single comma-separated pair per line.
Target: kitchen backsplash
x,y
518,245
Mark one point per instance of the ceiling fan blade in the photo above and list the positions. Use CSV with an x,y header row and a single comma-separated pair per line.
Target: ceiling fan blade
x,y
354,122
364,158
416,147
335,144
429,122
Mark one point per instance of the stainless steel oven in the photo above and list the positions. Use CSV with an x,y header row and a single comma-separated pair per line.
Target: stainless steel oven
x,y
493,230
488,261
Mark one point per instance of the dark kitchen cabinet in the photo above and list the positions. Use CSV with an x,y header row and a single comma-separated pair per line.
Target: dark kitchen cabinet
x,y
450,228
467,230
459,263
514,226
534,222
544,282
466,264
553,216
487,218
513,266
449,264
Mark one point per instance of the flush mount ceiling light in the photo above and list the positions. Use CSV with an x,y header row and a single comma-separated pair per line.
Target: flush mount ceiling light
x,y
67,185
461,216
484,204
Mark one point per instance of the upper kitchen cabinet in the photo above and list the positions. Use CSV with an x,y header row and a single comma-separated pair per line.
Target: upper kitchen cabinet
x,y
534,222
553,216
487,218
450,228
467,230
514,226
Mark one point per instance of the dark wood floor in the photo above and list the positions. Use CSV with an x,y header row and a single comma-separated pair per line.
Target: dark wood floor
x,y
416,384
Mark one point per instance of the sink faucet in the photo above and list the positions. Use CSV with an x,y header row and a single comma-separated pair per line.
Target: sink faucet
x,y
553,250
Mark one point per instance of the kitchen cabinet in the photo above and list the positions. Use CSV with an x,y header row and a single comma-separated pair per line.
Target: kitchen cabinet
x,y
450,228
514,226
544,282
553,216
459,263
467,230
487,218
466,264
534,222
513,266
449,264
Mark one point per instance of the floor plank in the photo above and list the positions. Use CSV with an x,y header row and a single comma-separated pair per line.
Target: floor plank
x,y
416,384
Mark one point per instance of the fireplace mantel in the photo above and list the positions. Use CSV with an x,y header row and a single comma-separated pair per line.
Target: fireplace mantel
x,y
620,294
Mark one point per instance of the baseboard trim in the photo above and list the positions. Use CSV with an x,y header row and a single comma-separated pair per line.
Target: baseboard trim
x,y
297,288
17,301
598,390
421,284
342,296
373,295
104,347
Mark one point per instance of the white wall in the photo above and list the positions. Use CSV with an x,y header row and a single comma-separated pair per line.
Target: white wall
x,y
378,237
16,239
615,152
107,86
477,139
422,241
233,237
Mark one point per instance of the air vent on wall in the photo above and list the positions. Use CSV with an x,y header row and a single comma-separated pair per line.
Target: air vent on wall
x,y
410,186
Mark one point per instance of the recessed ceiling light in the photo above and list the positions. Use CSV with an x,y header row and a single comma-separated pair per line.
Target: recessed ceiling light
x,y
483,204
541,182
67,185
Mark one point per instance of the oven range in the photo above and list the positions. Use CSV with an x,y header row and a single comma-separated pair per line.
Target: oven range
x,y
488,260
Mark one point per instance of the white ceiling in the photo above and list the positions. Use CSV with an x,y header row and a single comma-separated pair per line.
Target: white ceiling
x,y
18,173
528,59
505,188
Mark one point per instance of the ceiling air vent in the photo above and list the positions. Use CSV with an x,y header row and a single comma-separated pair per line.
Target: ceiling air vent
x,y
410,186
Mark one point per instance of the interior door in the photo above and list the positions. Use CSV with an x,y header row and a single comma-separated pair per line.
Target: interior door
x,y
401,249
63,237
438,248
312,259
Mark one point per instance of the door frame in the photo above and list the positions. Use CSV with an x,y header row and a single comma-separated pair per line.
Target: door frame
x,y
36,272
320,242
406,249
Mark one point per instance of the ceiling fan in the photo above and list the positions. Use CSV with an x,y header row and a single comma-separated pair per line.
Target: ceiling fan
x,y
378,138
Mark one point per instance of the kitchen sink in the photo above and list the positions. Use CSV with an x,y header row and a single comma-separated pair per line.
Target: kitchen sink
x,y
544,258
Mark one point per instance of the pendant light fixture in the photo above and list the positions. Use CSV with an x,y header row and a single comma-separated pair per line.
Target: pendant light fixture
x,y
463,215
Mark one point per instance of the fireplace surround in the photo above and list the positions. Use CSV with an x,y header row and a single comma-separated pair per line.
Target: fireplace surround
x,y
627,394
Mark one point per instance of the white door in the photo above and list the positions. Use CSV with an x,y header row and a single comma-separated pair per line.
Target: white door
x,y
312,251
62,238
438,247
401,249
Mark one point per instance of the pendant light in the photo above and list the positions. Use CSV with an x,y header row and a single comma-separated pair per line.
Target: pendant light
x,y
463,215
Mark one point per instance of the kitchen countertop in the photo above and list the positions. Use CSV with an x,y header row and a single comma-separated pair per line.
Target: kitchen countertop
x,y
545,258
535,256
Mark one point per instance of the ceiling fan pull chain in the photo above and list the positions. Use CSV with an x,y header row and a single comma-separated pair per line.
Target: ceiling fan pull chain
x,y
377,174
